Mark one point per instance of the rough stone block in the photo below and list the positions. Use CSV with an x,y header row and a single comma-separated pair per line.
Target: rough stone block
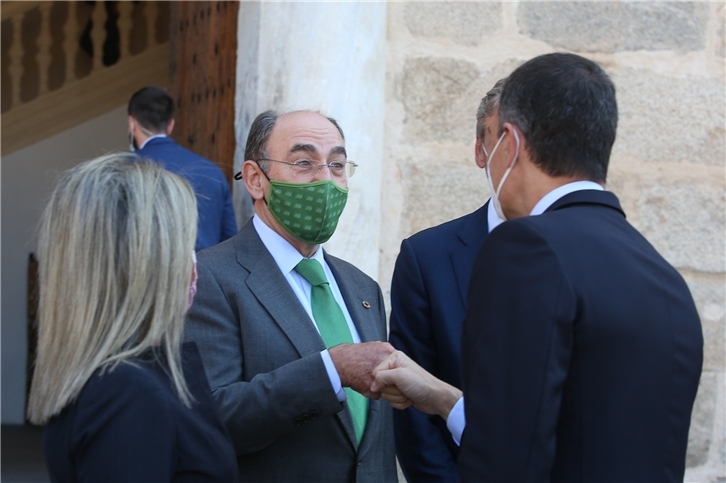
x,y
440,97
616,26
463,23
670,119
686,224
451,192
710,301
702,420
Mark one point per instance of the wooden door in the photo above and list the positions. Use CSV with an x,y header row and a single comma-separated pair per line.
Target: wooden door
x,y
203,52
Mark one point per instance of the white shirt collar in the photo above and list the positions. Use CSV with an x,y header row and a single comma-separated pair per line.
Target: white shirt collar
x,y
493,219
286,256
557,193
150,138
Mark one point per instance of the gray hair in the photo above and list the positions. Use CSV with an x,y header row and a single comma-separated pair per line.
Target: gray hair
x,y
115,260
260,131
487,106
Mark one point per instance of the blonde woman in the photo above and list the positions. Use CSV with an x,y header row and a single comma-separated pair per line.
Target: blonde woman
x,y
121,398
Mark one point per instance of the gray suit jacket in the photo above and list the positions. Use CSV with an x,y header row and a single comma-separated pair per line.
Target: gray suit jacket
x,y
261,353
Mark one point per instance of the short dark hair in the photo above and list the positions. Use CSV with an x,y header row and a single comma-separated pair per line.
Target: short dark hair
x,y
260,131
487,106
152,107
565,106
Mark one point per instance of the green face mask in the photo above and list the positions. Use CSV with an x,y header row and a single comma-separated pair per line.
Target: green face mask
x,y
309,211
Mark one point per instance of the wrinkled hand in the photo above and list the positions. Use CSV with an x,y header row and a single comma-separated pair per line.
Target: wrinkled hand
x,y
403,383
355,364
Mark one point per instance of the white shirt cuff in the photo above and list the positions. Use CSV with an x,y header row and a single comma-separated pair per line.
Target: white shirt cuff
x,y
457,420
333,376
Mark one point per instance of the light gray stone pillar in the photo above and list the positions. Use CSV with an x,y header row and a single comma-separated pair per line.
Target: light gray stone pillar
x,y
328,57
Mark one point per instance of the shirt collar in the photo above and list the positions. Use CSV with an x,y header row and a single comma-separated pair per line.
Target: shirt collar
x,y
286,256
557,193
493,219
150,138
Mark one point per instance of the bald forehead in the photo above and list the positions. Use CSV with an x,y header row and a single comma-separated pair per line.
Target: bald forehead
x,y
305,131
302,120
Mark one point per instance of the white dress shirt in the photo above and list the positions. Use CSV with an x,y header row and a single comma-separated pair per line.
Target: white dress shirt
x,y
457,419
493,219
150,138
287,258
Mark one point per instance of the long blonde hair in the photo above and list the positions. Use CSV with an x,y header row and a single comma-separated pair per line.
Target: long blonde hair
x,y
115,266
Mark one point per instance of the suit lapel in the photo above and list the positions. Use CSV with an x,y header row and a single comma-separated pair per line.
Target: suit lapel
x,y
470,235
272,290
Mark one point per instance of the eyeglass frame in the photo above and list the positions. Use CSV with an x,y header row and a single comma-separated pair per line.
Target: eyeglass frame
x,y
320,166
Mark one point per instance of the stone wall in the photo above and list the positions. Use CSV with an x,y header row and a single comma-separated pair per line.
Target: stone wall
x,y
667,167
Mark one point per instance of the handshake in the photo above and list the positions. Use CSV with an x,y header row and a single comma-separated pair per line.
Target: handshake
x,y
377,370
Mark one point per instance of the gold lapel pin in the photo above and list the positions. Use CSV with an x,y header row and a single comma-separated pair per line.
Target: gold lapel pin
x,y
366,304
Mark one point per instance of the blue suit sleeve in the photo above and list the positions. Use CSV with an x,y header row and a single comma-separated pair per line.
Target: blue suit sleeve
x,y
124,430
516,350
420,446
229,223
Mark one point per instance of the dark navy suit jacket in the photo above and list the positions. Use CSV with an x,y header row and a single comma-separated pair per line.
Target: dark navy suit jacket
x,y
428,306
581,351
214,202
128,425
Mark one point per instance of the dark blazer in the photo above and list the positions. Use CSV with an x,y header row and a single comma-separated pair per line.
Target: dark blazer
x,y
128,425
581,351
428,306
214,201
261,352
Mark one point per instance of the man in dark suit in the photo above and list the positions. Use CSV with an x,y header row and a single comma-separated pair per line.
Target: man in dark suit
x,y
292,400
428,305
150,123
582,347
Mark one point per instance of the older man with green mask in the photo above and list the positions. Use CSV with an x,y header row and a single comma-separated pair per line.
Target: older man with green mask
x,y
289,335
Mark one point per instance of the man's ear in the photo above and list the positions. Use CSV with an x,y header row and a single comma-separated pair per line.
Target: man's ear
x,y
479,157
131,124
253,178
170,127
513,145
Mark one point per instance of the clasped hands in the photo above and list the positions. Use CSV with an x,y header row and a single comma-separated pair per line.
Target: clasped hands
x,y
376,369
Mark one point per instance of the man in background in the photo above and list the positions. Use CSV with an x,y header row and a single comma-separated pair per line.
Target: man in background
x,y
428,306
582,347
150,123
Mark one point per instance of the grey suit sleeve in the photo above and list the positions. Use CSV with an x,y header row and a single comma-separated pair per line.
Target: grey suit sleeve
x,y
281,393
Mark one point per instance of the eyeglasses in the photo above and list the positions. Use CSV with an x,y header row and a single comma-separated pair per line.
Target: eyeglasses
x,y
308,169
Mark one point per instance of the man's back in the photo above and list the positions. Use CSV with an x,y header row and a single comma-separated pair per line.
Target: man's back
x,y
214,201
602,345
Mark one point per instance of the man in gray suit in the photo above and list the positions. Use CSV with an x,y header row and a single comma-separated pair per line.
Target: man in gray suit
x,y
291,398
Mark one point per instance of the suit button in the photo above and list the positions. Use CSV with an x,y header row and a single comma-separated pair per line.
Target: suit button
x,y
306,418
360,462
298,421
314,415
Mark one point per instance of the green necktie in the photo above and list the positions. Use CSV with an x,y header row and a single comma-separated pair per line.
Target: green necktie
x,y
334,330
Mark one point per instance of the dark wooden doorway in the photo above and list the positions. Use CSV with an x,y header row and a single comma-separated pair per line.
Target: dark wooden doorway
x,y
203,53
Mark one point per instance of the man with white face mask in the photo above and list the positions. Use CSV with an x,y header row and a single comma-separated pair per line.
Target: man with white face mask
x,y
582,347
428,306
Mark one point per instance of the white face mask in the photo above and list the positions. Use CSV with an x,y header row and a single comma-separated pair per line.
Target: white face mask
x,y
495,193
